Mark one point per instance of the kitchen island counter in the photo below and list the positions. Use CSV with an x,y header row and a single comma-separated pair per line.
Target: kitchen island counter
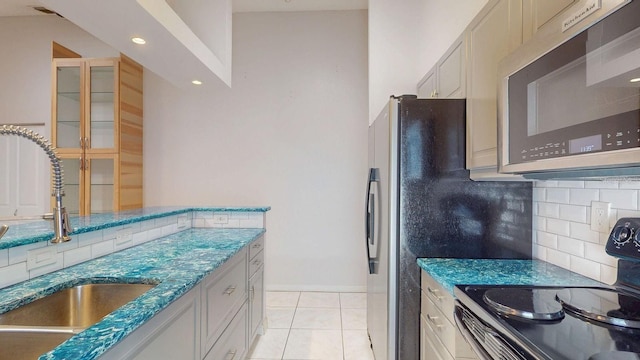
x,y
451,272
176,263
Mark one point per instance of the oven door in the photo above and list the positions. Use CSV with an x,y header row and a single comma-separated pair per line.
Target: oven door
x,y
578,105
485,341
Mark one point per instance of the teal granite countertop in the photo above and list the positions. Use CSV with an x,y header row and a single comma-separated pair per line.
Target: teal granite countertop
x,y
33,232
451,272
176,263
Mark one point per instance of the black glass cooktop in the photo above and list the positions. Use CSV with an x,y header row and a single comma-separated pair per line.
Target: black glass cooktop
x,y
554,321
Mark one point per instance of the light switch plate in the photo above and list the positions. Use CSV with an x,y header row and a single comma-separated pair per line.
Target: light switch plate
x,y
600,212
41,257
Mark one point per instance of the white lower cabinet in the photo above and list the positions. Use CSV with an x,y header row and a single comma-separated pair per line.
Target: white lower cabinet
x,y
439,337
174,333
218,319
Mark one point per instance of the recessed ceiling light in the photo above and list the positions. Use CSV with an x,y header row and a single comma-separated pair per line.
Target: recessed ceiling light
x,y
635,80
196,82
138,40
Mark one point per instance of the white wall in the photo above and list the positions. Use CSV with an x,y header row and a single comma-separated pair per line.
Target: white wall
x,y
562,218
291,133
406,41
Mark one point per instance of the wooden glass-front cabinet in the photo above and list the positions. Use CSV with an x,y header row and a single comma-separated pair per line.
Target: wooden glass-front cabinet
x,y
97,103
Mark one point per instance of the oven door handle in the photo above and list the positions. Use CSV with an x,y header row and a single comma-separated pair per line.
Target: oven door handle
x,y
466,334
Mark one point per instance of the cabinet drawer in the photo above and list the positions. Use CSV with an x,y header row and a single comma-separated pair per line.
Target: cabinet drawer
x,y
256,247
222,296
256,263
445,330
438,295
431,346
232,345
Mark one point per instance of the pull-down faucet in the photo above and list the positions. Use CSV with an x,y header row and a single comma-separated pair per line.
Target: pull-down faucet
x,y
61,225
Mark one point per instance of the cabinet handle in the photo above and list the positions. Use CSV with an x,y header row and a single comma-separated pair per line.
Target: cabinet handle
x,y
230,290
86,142
81,164
257,246
231,354
432,320
253,292
256,263
81,143
434,293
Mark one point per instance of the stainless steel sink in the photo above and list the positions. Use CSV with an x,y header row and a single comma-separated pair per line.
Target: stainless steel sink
x,y
28,344
37,327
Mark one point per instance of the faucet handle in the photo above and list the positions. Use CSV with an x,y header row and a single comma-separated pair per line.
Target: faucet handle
x,y
65,221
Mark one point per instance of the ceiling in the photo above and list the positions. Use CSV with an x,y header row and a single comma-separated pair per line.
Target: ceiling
x,y
25,7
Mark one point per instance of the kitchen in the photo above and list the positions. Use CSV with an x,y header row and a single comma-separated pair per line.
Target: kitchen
x,y
317,176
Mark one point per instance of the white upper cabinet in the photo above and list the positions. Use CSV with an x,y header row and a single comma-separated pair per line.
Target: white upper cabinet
x,y
493,33
537,13
448,77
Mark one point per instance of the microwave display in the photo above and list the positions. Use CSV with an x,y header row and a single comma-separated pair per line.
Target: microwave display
x,y
581,97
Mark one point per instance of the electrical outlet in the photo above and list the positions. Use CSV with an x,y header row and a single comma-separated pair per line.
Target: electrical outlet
x,y
123,236
600,216
220,218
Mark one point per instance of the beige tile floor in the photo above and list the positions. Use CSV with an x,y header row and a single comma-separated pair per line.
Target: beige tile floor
x,y
314,325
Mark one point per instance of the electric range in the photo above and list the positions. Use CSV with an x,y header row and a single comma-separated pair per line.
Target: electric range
x,y
540,322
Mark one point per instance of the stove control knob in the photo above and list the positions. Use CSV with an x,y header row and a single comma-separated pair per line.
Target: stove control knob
x,y
621,235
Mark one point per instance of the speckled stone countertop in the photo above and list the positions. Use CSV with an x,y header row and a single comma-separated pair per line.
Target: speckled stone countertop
x,y
33,232
451,272
176,262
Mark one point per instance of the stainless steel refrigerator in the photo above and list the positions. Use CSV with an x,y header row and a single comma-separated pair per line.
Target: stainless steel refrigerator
x,y
421,203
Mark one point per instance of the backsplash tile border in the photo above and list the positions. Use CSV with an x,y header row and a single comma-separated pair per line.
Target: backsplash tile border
x,y
561,223
98,243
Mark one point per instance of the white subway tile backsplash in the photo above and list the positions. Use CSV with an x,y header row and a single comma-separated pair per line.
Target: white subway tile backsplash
x,y
19,254
583,232
12,274
76,256
588,268
608,274
573,213
548,210
567,240
601,184
57,265
140,237
147,225
583,196
547,240
596,252
558,226
559,258
89,238
620,199
571,246
102,248
558,195
155,233
4,257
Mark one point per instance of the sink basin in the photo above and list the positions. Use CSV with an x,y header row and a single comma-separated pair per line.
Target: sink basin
x,y
77,307
28,345
37,327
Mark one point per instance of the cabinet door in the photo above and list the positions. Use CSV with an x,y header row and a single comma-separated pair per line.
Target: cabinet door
x,y
101,125
256,304
67,132
451,70
495,32
100,183
537,13
427,86
73,166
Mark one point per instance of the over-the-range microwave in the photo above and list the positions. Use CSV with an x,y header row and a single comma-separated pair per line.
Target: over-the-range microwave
x,y
569,99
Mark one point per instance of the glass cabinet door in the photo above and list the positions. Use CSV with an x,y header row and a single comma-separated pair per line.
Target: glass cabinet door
x,y
72,184
101,185
101,107
68,113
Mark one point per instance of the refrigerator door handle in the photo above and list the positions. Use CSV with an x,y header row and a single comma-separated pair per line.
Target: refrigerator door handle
x,y
370,220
